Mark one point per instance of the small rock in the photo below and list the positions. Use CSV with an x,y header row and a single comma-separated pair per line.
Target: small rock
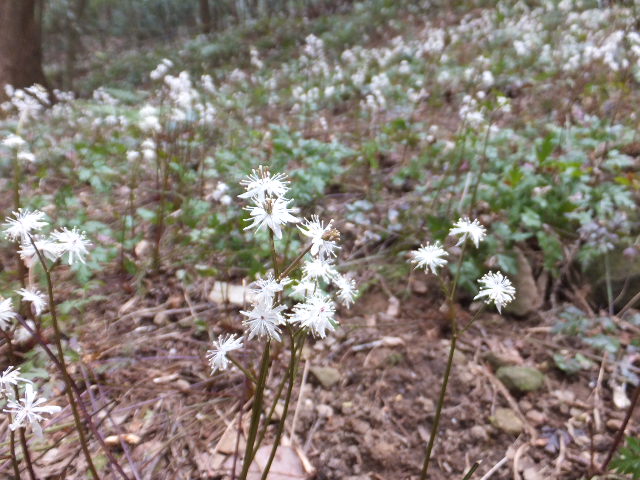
x,y
161,319
393,309
357,477
347,407
528,298
600,442
327,376
324,411
418,286
614,424
507,420
497,360
427,404
479,433
536,417
520,379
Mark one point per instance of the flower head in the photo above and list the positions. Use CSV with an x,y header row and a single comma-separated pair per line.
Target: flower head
x,y
430,257
496,288
24,223
265,289
264,320
28,410
13,141
468,229
273,213
322,237
260,184
45,246
34,296
218,355
6,313
316,314
74,242
8,378
318,269
347,290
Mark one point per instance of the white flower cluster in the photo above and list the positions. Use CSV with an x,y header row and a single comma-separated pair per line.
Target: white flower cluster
x,y
315,312
26,411
24,227
495,287
19,145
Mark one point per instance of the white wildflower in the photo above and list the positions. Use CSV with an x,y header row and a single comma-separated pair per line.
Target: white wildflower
x,y
303,288
322,237
23,225
468,229
264,320
28,410
45,246
316,314
496,288
318,269
74,242
273,213
9,378
265,289
35,297
26,156
430,257
260,183
218,355
6,313
13,141
347,290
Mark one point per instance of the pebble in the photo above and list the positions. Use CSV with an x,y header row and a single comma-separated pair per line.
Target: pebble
x,y
536,417
478,432
614,424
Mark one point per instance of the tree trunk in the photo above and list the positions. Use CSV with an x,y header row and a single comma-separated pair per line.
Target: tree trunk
x,y
20,44
205,16
73,43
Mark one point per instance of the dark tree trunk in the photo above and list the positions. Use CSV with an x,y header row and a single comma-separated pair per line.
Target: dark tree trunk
x,y
205,16
20,44
73,43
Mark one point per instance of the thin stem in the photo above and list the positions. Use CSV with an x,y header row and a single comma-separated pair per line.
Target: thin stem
x,y
63,365
620,434
274,254
246,372
607,277
25,452
67,377
294,263
112,461
256,411
471,471
287,400
12,438
475,317
454,285
12,444
436,420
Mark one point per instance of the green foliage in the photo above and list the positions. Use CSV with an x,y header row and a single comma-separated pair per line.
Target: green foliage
x,y
628,459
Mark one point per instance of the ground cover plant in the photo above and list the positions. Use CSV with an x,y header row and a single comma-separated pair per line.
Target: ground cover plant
x,y
266,250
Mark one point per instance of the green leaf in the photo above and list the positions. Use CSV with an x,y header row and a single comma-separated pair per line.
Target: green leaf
x,y
628,459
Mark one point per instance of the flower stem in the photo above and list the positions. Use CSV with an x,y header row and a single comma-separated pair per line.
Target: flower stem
x,y
12,446
63,366
274,254
12,438
436,420
256,411
27,455
294,263
291,374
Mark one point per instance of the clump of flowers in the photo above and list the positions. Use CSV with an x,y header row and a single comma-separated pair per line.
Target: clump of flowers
x,y
495,289
290,303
